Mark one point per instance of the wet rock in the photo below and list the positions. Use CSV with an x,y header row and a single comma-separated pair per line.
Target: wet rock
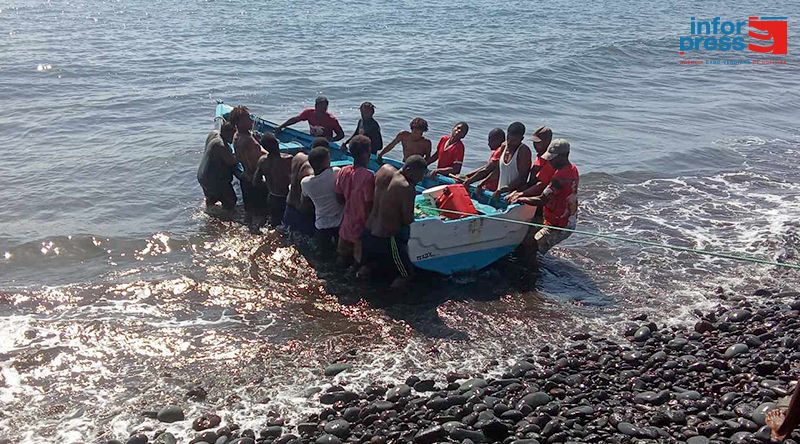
x,y
495,430
536,399
642,334
338,427
740,438
206,421
400,391
343,396
759,414
703,327
583,411
627,428
138,438
166,438
171,413
472,384
425,385
430,435
197,394
764,368
736,350
328,439
307,428
677,343
272,432
335,369
738,315
651,398
697,440
460,434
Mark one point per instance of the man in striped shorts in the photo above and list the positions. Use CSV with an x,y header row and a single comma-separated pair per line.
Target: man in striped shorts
x,y
385,239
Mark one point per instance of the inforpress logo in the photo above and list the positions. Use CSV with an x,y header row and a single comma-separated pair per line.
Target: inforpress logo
x,y
765,29
762,35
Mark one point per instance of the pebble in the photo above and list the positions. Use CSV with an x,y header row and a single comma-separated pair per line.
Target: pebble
x,y
736,350
171,413
166,438
335,369
431,435
138,438
328,439
472,384
338,427
400,391
642,334
536,399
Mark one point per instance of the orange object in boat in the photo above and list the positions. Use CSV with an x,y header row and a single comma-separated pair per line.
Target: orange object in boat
x,y
456,198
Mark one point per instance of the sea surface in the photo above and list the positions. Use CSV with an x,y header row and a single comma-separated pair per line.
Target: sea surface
x,y
118,293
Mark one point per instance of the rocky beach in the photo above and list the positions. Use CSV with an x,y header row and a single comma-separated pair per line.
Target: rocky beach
x,y
711,382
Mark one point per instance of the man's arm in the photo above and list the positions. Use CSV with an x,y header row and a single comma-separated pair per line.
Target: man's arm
x,y
338,132
261,166
343,145
290,122
391,144
226,155
408,205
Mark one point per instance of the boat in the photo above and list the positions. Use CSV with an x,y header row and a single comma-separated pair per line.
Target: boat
x,y
445,246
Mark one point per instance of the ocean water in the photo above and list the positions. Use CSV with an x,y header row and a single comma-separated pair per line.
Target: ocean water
x,y
118,293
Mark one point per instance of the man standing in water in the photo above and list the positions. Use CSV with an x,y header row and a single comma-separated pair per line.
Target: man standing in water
x,y
487,175
559,200
541,170
414,142
274,171
321,123
320,188
385,241
248,152
450,151
355,187
367,126
299,215
215,172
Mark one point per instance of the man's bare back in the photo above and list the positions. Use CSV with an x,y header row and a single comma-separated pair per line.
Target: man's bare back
x,y
412,144
248,152
394,202
300,168
277,170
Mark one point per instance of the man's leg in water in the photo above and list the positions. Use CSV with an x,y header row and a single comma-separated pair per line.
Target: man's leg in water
x,y
547,238
405,269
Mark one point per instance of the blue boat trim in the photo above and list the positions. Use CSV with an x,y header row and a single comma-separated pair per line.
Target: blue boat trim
x,y
459,263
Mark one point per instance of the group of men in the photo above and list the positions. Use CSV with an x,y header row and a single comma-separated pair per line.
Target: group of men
x,y
365,215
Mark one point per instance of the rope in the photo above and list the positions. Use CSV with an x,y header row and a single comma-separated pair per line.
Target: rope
x,y
625,239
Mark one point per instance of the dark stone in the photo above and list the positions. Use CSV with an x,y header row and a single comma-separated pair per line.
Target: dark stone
x,y
651,398
197,394
335,369
165,438
512,415
697,440
328,439
495,430
677,343
764,368
171,413
138,438
536,399
307,428
472,383
582,411
738,315
760,413
206,421
642,334
425,385
460,434
736,350
431,435
272,432
400,391
703,327
740,438
338,427
340,396
627,428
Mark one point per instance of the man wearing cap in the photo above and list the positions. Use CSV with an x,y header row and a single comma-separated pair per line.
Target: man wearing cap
x,y
368,126
321,123
559,199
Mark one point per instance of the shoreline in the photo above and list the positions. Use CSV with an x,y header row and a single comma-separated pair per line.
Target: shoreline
x,y
708,383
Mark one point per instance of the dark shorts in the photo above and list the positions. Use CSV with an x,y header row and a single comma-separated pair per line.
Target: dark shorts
x,y
296,220
387,255
254,197
276,206
222,193
328,238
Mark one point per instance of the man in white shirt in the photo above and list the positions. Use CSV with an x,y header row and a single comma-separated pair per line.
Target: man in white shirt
x,y
321,189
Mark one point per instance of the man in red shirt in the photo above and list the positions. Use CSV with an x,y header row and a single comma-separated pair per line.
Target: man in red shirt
x,y
321,123
450,151
487,175
541,170
559,199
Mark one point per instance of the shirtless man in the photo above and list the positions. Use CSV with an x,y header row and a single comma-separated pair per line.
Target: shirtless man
x,y
414,142
274,171
385,240
248,152
299,214
216,169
